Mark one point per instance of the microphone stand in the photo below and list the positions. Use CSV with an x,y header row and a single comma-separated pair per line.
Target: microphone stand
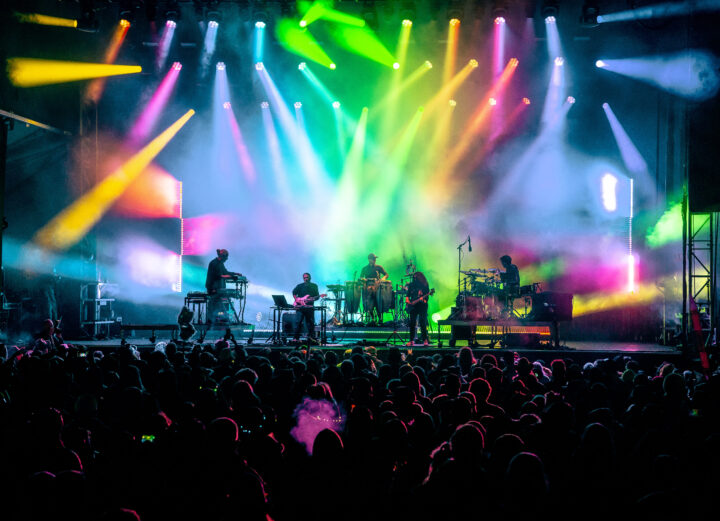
x,y
459,249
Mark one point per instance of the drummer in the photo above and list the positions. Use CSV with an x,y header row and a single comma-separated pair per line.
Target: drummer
x,y
372,272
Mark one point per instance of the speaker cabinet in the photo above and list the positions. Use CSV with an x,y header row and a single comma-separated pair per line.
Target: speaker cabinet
x,y
549,306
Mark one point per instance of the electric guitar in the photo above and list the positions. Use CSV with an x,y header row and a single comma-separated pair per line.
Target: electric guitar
x,y
409,302
307,300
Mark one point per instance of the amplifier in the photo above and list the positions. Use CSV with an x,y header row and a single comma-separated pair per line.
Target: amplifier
x,y
550,306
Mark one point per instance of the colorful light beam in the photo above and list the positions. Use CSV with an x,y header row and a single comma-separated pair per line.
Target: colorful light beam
x,y
95,88
33,72
632,158
363,42
259,45
692,74
147,120
321,10
43,19
208,46
301,42
243,154
665,10
70,225
165,43
451,49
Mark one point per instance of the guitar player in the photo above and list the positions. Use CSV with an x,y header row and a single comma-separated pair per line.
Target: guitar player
x,y
305,294
416,300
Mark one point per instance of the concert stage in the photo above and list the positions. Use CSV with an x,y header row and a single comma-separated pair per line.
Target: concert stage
x,y
341,339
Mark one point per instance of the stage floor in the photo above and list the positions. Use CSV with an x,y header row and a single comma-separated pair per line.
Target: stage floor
x,y
342,339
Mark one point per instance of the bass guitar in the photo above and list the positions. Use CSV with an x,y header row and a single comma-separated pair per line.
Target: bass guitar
x,y
307,300
409,302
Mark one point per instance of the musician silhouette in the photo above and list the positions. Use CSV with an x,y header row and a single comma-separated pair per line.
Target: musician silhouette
x,y
217,274
305,294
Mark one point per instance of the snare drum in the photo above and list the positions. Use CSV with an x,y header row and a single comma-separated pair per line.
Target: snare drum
x,y
353,290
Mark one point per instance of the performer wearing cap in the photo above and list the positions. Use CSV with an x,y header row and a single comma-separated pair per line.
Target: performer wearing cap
x,y
373,272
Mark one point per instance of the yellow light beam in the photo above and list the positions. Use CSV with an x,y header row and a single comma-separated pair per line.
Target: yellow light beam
x,y
70,225
394,93
390,114
33,72
451,49
597,302
42,19
446,91
469,135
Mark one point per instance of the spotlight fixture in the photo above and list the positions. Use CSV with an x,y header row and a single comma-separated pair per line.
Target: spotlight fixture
x,y
455,11
396,65
226,105
87,22
172,11
302,66
452,103
151,10
220,66
492,101
559,61
407,22
600,64
499,12
570,100
333,66
590,12
259,66
261,25
407,11
265,105
298,105
127,10
177,66
213,14
260,14
550,10
369,13
526,101
428,64
473,63
212,24
336,104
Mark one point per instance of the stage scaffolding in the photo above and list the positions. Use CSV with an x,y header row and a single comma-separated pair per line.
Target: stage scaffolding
x,y
701,273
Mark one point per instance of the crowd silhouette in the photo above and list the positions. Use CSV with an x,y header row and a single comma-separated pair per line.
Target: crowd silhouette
x,y
221,432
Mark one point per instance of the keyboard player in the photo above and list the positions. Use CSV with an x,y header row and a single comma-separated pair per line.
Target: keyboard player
x,y
215,280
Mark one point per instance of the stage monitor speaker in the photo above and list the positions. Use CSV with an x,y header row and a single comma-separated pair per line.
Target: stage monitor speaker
x,y
704,156
550,306
289,322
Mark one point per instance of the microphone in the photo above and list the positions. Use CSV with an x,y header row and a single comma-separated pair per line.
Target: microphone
x,y
469,244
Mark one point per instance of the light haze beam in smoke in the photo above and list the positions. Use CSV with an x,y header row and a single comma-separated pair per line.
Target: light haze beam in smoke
x,y
665,10
691,74
71,225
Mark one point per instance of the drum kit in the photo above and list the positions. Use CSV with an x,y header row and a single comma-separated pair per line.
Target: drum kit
x,y
484,296
363,301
